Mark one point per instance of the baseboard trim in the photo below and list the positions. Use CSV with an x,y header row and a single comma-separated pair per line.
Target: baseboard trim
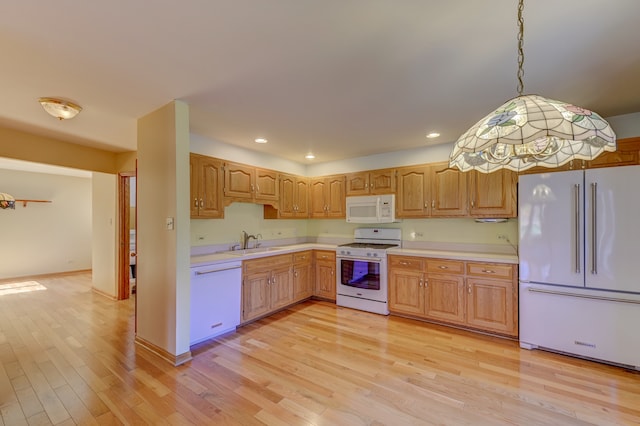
x,y
104,294
175,360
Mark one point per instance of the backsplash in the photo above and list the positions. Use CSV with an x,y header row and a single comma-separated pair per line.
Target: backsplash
x,y
211,235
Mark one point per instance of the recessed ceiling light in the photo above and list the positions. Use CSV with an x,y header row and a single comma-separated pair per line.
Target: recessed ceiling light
x,y
309,156
261,140
432,135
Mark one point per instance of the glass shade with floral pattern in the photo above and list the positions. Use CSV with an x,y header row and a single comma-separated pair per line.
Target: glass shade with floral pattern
x,y
530,131
7,201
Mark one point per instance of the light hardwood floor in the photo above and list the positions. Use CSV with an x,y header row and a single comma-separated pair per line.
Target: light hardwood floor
x,y
67,357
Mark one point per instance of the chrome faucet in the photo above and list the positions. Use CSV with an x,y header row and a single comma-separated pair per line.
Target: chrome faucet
x,y
245,238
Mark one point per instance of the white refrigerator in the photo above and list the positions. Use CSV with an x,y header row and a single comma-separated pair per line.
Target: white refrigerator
x,y
579,254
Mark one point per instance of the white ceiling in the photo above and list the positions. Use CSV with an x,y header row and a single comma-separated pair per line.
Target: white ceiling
x,y
341,78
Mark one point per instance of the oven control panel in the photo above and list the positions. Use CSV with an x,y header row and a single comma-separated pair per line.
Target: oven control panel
x,y
359,253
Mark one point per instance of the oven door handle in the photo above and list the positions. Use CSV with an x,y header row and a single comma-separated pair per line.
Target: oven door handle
x,y
361,259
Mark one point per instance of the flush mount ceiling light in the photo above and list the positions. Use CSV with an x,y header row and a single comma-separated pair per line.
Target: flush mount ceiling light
x,y
310,156
432,135
530,130
60,108
261,140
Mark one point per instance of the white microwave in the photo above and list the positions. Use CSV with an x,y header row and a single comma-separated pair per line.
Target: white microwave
x,y
371,209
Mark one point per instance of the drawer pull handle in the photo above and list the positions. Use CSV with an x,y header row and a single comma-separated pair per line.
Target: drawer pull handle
x,y
405,263
216,325
443,267
488,271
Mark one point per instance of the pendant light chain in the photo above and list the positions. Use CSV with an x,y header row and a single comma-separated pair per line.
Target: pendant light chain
x,y
520,50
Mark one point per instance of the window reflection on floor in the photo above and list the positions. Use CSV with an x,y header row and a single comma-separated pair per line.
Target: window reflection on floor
x,y
20,287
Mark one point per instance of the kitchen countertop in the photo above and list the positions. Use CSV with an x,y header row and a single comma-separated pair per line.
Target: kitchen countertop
x,y
234,256
239,255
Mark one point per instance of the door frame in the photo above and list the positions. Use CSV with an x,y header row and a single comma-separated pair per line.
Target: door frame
x,y
124,211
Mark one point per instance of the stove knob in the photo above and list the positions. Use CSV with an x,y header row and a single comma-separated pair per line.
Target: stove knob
x,y
375,254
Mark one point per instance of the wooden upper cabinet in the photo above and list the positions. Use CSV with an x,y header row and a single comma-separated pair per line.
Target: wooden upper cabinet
x,y
294,197
247,183
301,197
493,194
626,154
372,182
239,181
267,185
412,198
328,197
448,191
206,187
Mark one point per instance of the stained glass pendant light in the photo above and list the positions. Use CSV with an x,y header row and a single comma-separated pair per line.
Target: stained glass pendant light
x,y
531,130
7,201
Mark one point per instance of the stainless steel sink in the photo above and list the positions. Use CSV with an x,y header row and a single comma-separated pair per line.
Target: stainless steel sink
x,y
253,250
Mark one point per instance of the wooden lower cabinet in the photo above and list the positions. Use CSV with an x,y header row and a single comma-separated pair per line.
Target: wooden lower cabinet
x,y
267,285
476,295
302,277
325,278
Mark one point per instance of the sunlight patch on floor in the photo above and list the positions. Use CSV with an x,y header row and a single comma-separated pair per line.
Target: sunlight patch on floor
x,y
20,287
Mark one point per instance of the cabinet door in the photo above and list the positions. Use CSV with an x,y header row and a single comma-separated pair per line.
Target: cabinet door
x,y
239,181
194,189
492,194
326,280
445,298
266,185
211,177
382,181
302,281
301,197
287,196
318,198
491,304
406,292
336,197
448,191
255,295
357,183
281,287
412,192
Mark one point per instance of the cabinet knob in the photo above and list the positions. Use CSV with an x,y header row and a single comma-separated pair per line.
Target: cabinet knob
x,y
469,289
195,202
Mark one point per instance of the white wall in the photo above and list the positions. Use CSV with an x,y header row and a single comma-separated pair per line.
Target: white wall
x,y
104,223
44,238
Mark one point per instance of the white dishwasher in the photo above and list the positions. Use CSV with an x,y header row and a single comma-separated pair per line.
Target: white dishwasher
x,y
215,300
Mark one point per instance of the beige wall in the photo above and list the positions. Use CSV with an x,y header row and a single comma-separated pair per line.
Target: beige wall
x,y
42,238
104,227
162,282
40,149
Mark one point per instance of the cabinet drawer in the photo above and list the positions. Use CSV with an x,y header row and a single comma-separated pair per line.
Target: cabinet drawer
x,y
443,266
407,263
327,256
266,263
494,270
302,257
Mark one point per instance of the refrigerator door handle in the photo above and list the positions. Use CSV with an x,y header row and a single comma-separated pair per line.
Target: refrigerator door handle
x,y
594,228
577,226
